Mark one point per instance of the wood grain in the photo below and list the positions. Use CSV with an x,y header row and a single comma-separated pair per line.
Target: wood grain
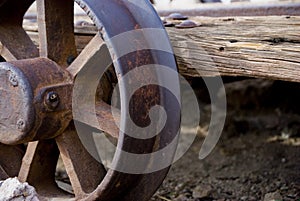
x,y
263,47
267,47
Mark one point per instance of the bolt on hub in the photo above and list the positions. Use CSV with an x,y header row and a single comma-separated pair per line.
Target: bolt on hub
x,y
28,100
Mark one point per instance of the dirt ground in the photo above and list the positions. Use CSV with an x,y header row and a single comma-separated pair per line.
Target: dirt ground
x,y
258,155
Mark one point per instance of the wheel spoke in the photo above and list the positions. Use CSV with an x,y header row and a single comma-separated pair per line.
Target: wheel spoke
x,y
94,59
94,54
16,44
56,30
39,165
106,120
84,171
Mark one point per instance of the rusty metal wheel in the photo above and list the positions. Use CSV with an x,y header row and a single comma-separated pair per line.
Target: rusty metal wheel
x,y
37,93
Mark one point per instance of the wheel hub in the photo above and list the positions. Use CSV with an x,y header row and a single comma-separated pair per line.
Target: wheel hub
x,y
39,93
35,100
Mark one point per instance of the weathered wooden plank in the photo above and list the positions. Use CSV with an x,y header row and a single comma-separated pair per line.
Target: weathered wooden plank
x,y
267,47
264,47
259,8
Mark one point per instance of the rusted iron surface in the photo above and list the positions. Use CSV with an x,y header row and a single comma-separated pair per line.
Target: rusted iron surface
x,y
95,48
246,9
55,19
107,122
17,43
85,172
142,186
95,52
49,87
16,105
30,115
38,168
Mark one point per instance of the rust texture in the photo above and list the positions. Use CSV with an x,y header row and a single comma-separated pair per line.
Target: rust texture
x,y
27,85
87,172
39,164
36,94
17,43
55,18
36,98
16,104
141,186
15,46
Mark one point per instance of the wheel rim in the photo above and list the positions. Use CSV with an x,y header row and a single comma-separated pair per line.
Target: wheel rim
x,y
57,43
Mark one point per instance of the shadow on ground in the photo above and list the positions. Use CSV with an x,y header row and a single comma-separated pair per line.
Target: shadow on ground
x,y
258,155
